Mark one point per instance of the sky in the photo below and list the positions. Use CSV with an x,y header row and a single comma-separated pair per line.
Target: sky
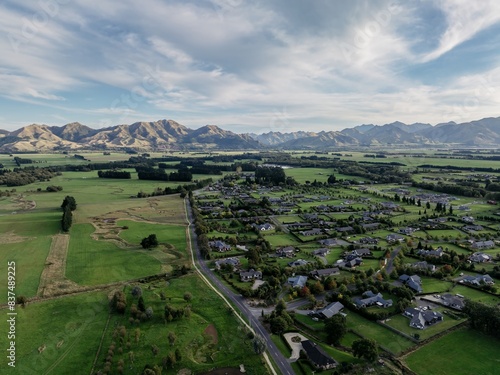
x,y
248,66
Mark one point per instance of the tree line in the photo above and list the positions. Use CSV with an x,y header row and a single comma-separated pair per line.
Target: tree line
x,y
68,206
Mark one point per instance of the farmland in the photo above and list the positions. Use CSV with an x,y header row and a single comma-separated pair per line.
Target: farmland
x,y
366,231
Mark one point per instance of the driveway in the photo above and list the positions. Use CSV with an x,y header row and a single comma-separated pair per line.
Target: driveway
x,y
296,346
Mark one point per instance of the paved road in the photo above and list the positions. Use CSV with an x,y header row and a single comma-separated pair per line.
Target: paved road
x,y
239,302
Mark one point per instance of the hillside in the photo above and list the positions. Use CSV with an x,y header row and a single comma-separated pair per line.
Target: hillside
x,y
170,135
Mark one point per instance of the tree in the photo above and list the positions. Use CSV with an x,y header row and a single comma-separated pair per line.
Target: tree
x,y
335,328
188,297
259,344
332,179
149,242
278,325
136,291
141,305
365,348
69,202
172,337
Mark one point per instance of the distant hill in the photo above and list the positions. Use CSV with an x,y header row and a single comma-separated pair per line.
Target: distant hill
x,y
161,135
170,135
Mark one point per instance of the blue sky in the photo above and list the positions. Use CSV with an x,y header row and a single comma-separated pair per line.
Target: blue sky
x,y
259,66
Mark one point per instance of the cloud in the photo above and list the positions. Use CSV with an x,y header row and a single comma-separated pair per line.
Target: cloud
x,y
330,64
465,19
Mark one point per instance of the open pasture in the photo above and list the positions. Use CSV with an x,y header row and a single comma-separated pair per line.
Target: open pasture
x,y
461,352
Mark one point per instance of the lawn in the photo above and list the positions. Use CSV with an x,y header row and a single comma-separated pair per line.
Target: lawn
x,y
461,352
431,285
92,262
385,338
476,295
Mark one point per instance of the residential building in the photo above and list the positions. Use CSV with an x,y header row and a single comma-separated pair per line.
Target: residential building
x,y
317,356
297,281
318,274
250,275
413,282
420,318
328,311
480,258
371,299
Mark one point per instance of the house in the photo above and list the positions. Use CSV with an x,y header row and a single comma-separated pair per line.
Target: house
x,y
431,253
317,356
321,252
413,282
371,299
370,226
467,219
347,229
480,258
351,263
478,280
311,232
408,230
235,262
219,246
297,281
368,241
250,275
362,252
288,252
472,228
392,238
318,274
423,265
298,263
328,311
420,318
452,301
329,242
479,245
264,227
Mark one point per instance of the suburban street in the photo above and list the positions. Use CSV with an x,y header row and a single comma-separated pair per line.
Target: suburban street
x,y
239,302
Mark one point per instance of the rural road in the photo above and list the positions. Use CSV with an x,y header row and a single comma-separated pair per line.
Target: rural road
x,y
281,362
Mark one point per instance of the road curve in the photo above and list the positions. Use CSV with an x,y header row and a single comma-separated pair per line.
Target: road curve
x,y
284,366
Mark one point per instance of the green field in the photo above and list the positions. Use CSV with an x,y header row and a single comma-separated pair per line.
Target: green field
x,y
92,262
69,328
387,339
200,351
461,352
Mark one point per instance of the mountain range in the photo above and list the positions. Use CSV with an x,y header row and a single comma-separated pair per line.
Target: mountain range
x,y
170,135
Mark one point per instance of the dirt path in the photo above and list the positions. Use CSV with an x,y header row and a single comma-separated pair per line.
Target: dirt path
x,y
53,277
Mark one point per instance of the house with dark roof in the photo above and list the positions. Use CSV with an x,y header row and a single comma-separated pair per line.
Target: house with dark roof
x,y
479,245
452,301
317,356
480,258
288,252
318,274
424,266
362,252
327,311
351,263
372,299
329,242
368,241
420,318
250,275
219,246
478,280
297,281
393,237
413,282
431,253
321,252
311,232
234,262
298,263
